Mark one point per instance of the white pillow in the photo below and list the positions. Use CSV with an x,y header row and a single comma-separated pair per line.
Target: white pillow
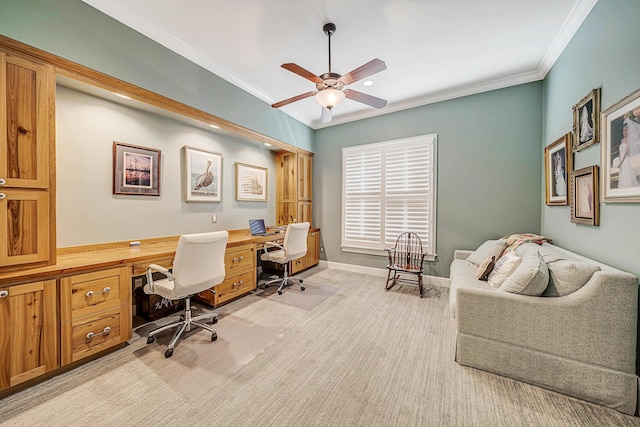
x,y
567,276
503,268
486,250
531,277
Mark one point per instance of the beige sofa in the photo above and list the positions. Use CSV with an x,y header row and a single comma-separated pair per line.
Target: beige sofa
x,y
582,344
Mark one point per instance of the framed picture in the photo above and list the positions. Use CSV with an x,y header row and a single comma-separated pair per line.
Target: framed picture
x,y
585,205
558,162
586,121
202,175
136,170
251,183
620,151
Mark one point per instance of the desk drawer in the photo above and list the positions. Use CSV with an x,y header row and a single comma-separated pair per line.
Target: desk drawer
x,y
90,293
92,336
234,287
240,259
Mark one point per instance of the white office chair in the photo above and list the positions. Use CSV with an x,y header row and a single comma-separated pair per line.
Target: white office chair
x,y
293,247
197,267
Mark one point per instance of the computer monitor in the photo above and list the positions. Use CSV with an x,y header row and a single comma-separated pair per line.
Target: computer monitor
x,y
257,227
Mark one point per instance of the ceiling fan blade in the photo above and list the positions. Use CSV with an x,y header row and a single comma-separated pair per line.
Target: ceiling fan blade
x,y
326,116
364,98
366,70
293,99
294,68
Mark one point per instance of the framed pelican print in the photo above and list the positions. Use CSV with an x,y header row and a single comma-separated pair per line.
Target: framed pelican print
x,y
136,170
202,175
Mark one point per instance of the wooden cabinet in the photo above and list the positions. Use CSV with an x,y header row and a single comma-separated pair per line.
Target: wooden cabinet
x,y
28,332
95,312
27,161
294,176
240,275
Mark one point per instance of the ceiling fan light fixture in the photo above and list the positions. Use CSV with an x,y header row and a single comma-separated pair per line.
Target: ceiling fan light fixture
x,y
329,97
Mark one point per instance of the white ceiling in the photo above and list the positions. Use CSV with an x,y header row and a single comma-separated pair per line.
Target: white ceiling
x,y
434,49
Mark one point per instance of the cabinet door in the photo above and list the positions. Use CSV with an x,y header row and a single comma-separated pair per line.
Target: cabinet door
x,y
28,332
24,220
286,177
26,120
313,249
305,177
304,212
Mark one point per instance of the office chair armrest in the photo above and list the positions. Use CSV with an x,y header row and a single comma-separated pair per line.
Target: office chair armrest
x,y
267,244
155,267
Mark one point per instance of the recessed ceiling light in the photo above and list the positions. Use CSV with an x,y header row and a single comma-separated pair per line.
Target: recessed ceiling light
x,y
121,95
266,144
215,126
367,83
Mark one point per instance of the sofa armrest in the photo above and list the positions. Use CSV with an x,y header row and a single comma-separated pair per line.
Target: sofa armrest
x,y
461,254
596,324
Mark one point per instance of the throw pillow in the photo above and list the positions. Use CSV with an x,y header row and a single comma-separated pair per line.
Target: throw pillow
x,y
503,268
531,277
487,249
485,268
567,276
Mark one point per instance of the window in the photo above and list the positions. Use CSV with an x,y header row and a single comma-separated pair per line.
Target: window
x,y
389,188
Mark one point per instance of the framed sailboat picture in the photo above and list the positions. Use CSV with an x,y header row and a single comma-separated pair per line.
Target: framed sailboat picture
x,y
202,175
251,183
136,170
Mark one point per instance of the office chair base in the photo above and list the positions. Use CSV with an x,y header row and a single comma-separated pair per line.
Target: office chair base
x,y
185,323
285,281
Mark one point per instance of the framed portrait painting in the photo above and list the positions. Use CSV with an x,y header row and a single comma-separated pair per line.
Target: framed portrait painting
x,y
586,121
136,170
620,151
251,183
202,175
558,162
585,204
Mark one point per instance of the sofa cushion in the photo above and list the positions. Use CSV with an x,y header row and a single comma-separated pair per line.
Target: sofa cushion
x,y
566,275
483,271
530,277
487,249
503,268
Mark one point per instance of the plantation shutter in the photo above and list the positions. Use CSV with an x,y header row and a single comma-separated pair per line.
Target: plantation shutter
x,y
388,188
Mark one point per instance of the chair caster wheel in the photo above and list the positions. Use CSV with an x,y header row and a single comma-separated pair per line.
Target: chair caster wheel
x,y
300,280
168,353
150,340
266,286
214,337
182,317
214,320
279,292
302,288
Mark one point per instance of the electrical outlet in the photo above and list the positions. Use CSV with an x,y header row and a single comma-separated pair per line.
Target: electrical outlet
x,y
214,218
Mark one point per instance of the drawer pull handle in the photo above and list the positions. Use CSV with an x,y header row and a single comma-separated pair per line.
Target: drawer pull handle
x,y
237,284
3,181
105,331
2,196
236,259
104,291
4,293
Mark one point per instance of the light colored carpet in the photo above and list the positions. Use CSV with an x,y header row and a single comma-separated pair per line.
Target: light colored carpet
x,y
345,352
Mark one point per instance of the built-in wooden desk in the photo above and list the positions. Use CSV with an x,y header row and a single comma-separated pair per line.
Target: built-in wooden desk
x,y
58,315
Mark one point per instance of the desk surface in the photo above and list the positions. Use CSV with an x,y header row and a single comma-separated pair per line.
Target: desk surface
x,y
95,257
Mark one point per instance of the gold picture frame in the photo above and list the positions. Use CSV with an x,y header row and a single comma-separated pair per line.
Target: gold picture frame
x,y
620,151
585,204
586,121
251,183
558,162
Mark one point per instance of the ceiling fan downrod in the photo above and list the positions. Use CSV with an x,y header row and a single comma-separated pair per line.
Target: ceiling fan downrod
x,y
329,29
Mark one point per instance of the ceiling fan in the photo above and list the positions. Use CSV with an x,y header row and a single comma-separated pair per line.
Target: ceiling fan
x,y
330,86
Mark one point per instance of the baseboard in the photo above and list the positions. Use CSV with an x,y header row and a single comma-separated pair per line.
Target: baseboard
x,y
443,282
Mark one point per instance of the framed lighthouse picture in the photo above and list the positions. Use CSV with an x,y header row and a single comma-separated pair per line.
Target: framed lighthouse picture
x,y
202,175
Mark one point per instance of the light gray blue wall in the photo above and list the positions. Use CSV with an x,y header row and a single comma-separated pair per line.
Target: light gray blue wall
x,y
75,31
603,53
489,171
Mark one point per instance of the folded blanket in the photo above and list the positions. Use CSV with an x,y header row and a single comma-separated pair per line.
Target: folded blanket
x,y
515,240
